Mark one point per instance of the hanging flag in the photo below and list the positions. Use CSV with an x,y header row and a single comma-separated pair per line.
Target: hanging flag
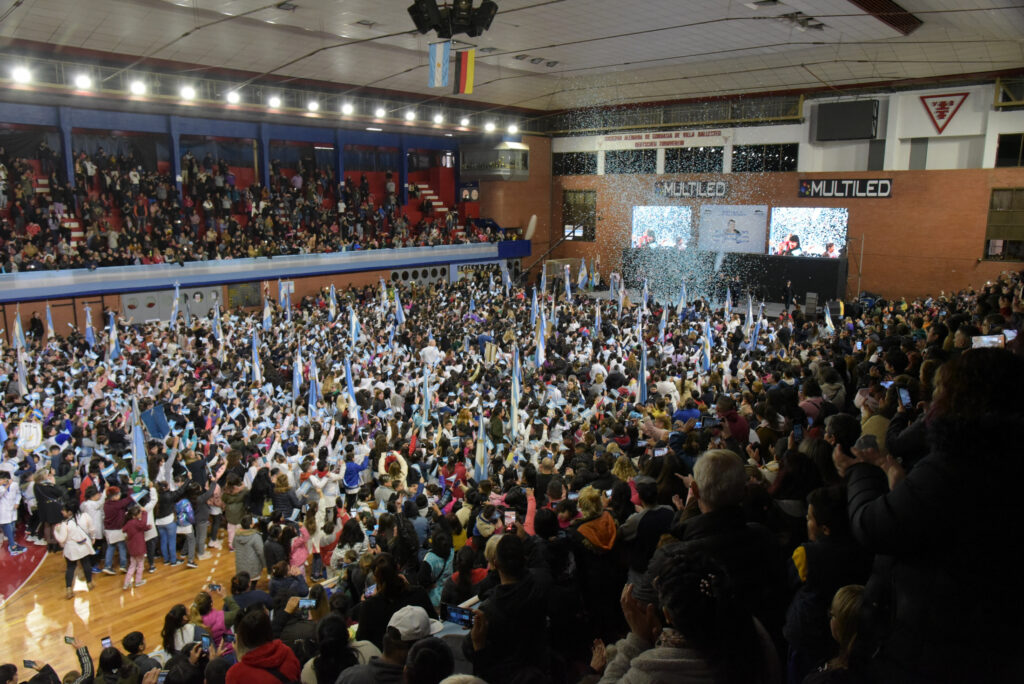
x,y
399,312
465,61
297,374
266,314
582,277
533,308
481,448
18,338
440,55
540,332
332,304
49,323
139,459
257,370
90,334
174,307
681,305
113,344
218,334
748,321
353,326
643,372
22,373
514,402
314,385
352,388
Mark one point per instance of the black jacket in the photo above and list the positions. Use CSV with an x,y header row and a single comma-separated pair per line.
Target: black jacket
x,y
940,604
516,631
375,612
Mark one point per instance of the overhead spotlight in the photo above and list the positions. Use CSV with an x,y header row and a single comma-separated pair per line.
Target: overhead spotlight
x,y
489,126
21,74
274,102
188,93
410,115
425,15
464,121
552,63
462,11
761,4
513,129
482,18
536,60
313,106
521,57
380,112
83,81
234,97
439,118
137,88
347,108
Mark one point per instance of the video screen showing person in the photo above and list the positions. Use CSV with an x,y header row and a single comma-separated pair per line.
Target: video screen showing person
x,y
661,227
808,231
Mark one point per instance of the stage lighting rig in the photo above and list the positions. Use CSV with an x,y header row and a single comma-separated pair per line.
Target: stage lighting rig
x,y
449,19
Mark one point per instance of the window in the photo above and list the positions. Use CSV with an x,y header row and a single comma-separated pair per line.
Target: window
x,y
694,160
1004,234
1010,150
761,158
574,163
631,161
579,215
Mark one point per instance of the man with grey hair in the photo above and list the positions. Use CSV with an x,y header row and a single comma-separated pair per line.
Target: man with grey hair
x,y
748,551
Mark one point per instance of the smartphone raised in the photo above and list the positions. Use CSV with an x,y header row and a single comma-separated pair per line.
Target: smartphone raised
x,y
29,664
509,518
460,616
981,341
904,397
228,638
307,603
370,590
161,677
106,642
798,432
205,641
373,540
69,640
216,587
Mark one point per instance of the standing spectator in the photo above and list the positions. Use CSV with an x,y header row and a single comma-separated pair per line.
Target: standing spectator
x,y
248,550
75,534
114,509
10,496
135,528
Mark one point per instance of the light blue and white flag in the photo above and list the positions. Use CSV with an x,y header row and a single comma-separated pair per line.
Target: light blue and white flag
x,y
175,306
350,386
266,315
541,332
50,334
568,284
533,308
90,334
399,311
481,466
514,402
113,344
829,325
297,374
643,371
139,459
257,369
332,304
314,385
582,278
440,55
682,303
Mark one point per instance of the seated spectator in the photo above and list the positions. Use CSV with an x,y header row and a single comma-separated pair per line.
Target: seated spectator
x,y
337,652
843,615
391,593
262,658
405,628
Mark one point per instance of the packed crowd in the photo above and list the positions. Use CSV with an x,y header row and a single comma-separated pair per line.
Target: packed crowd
x,y
797,499
211,218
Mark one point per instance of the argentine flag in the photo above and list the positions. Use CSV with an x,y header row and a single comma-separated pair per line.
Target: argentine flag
x,y
440,55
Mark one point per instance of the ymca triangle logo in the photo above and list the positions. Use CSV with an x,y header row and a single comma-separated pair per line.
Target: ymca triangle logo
x,y
942,108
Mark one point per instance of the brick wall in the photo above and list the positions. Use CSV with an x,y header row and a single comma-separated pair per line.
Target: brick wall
x,y
511,203
927,237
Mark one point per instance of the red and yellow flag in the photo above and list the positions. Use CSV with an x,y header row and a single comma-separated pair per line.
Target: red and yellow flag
x,y
464,64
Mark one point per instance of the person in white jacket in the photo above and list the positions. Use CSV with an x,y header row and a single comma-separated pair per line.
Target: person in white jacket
x,y
10,496
75,534
92,506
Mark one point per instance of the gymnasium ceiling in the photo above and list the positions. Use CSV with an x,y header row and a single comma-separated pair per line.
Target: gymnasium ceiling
x,y
578,53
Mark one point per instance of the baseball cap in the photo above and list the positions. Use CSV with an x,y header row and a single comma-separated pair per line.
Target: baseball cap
x,y
413,623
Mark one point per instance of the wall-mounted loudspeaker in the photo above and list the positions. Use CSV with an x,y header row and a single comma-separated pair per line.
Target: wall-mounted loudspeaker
x,y
421,276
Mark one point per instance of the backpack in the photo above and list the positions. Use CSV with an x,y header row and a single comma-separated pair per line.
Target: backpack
x,y
277,673
183,513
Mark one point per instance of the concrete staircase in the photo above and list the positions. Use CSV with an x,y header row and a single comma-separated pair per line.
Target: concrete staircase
x,y
440,209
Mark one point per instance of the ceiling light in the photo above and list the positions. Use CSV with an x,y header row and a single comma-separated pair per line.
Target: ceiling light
x,y
513,129
347,108
449,135
234,97
759,4
83,81
274,102
188,93
521,57
489,126
371,128
536,60
137,88
464,121
439,118
410,115
313,106
21,74
380,112
552,63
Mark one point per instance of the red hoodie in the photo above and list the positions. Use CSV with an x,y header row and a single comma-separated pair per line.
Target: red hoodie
x,y
256,665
